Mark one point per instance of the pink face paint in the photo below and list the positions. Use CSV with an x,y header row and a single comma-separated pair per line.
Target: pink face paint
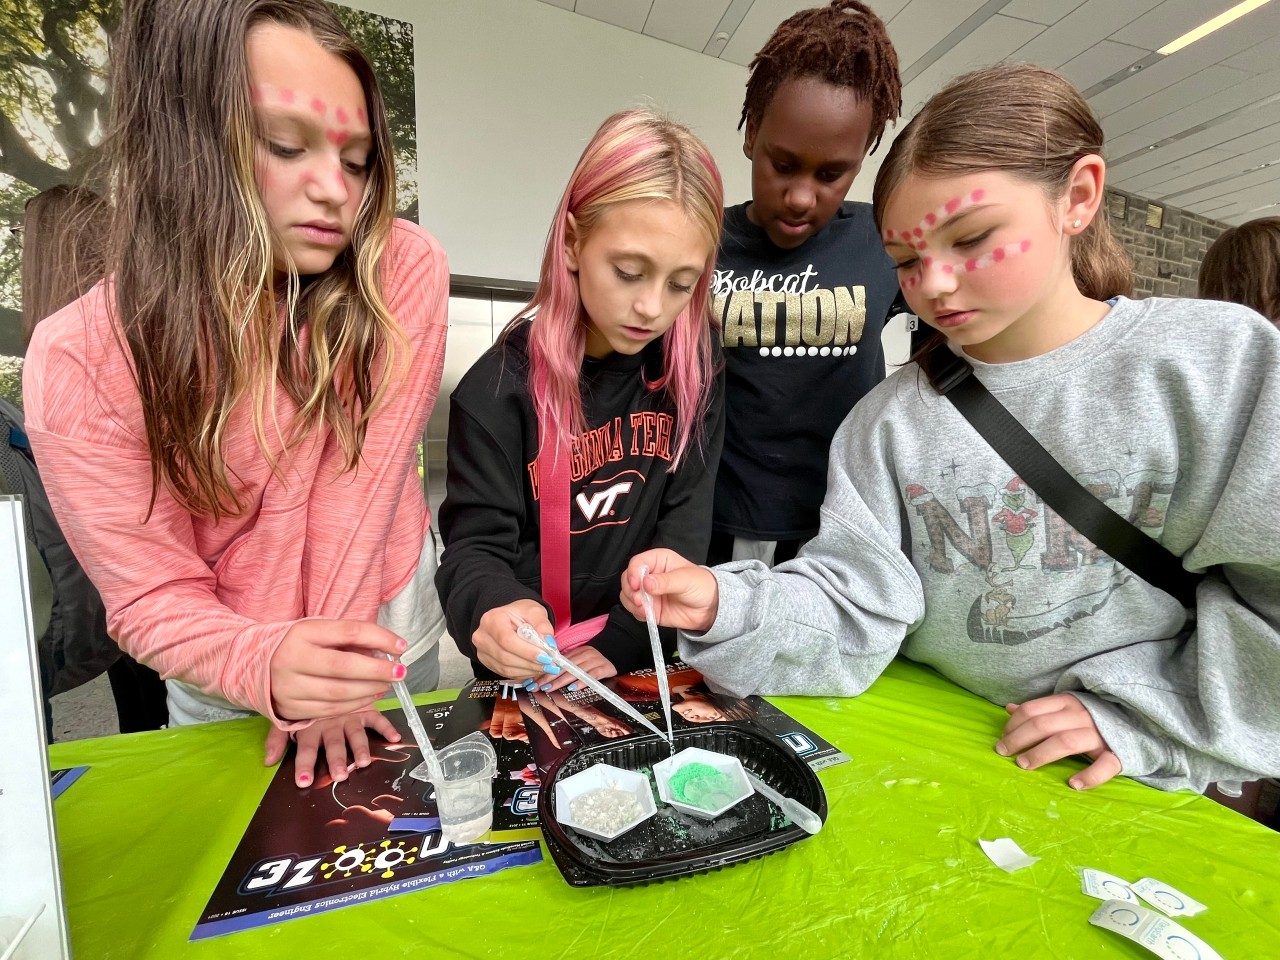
x,y
360,115
318,106
341,115
337,137
286,95
255,93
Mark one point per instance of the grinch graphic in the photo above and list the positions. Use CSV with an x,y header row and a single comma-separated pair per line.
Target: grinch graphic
x,y
1015,520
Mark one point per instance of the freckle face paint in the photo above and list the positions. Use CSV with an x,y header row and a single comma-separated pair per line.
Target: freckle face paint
x,y
286,95
318,106
337,137
360,114
341,115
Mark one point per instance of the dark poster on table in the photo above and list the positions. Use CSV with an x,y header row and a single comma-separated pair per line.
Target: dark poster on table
x,y
331,845
552,725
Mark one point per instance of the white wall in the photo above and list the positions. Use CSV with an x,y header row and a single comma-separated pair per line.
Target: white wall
x,y
509,92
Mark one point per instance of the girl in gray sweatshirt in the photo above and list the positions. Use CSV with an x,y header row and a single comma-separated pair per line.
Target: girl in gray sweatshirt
x,y
933,547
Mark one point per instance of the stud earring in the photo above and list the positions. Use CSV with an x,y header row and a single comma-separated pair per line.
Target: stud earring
x,y
1075,224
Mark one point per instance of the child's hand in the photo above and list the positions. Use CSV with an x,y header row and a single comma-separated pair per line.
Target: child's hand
x,y
591,660
1049,728
334,734
328,668
684,595
506,654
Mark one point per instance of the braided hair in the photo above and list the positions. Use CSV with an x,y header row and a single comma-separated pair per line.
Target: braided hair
x,y
844,44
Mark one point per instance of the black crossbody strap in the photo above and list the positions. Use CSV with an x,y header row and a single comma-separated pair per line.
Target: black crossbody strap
x,y
1145,556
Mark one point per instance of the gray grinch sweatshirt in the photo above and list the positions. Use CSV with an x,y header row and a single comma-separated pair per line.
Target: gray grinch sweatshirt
x,y
1169,410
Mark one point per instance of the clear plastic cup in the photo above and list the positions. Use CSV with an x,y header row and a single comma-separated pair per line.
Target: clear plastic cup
x,y
464,793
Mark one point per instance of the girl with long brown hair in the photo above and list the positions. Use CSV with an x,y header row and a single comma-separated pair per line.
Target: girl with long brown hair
x,y
227,425
932,546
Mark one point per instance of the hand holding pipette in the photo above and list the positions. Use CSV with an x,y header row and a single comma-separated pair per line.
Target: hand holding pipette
x,y
499,648
684,595
659,659
526,632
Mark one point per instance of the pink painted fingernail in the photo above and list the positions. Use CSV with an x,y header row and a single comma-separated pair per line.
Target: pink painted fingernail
x,y
399,671
304,779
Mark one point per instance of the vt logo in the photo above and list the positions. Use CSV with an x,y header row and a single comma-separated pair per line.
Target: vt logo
x,y
601,503
606,501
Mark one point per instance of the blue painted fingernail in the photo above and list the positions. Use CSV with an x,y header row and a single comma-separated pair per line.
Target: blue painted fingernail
x,y
553,670
545,660
551,641
573,686
546,688
530,686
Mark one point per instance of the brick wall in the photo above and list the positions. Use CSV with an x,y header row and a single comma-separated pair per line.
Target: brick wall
x,y
1166,258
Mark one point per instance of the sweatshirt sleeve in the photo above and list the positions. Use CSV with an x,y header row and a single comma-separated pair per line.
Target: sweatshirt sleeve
x,y
1205,705
160,595
684,526
480,521
829,621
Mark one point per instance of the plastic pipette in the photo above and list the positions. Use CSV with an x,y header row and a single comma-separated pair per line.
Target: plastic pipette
x,y
429,768
659,661
795,811
525,631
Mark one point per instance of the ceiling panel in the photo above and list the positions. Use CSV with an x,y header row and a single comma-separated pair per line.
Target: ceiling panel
x,y
1171,99
1238,97
1215,48
686,23
922,23
1090,23
630,14
998,37
1244,204
1099,62
1228,188
1169,21
756,26
1234,135
1190,169
1040,11
1212,165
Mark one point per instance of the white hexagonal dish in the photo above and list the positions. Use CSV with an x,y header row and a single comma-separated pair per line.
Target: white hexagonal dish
x,y
607,777
731,767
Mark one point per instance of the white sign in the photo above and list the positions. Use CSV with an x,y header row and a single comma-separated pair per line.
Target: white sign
x,y
33,924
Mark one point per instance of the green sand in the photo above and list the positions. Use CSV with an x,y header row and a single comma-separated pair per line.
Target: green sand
x,y
703,786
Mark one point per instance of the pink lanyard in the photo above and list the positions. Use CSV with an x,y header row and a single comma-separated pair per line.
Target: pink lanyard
x,y
554,533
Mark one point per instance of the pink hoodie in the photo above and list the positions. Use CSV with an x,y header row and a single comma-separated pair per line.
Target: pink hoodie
x,y
209,602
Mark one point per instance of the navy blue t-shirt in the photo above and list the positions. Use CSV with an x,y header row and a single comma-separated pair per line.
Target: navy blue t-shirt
x,y
801,346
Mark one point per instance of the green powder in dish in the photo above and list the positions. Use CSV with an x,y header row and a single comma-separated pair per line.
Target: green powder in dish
x,y
703,786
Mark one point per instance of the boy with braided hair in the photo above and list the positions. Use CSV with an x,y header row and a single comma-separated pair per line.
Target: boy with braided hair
x,y
802,284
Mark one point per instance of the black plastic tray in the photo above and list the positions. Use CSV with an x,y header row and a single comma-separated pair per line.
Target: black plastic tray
x,y
673,844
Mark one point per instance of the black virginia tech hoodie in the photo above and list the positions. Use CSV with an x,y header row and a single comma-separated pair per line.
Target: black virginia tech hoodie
x,y
623,497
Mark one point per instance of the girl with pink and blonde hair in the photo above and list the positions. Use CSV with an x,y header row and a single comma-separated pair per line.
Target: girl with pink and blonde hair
x,y
605,391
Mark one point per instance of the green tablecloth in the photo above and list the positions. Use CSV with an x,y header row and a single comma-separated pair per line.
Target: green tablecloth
x,y
897,871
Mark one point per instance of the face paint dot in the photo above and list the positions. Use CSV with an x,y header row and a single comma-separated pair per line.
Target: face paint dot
x,y
360,114
286,96
948,268
921,245
977,196
341,115
952,205
918,232
337,137
1024,246
971,264
318,105
928,261
931,218
888,235
997,254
